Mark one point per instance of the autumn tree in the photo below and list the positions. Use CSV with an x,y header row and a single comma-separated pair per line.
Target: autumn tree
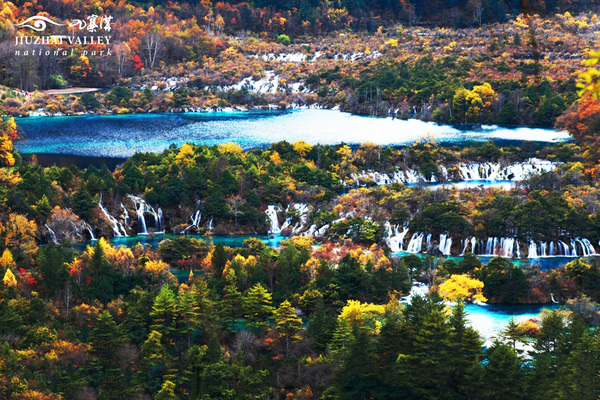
x,y
462,287
8,133
288,324
258,307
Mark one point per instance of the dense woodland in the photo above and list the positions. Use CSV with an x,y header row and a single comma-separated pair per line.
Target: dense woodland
x,y
520,70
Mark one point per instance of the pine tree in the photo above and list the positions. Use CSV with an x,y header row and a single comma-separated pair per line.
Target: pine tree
x,y
427,363
231,305
187,309
321,327
258,307
504,375
206,306
153,361
513,333
288,324
82,202
105,340
357,379
164,313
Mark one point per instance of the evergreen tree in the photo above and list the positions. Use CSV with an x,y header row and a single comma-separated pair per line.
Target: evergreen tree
x,y
164,313
513,333
153,361
504,375
82,202
321,327
102,276
357,378
105,341
231,305
288,324
188,318
258,307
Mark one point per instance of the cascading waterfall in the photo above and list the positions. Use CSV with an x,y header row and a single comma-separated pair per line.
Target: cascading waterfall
x,y
272,214
117,227
532,251
445,244
210,224
195,218
52,234
507,246
125,215
416,243
395,238
90,230
466,171
141,208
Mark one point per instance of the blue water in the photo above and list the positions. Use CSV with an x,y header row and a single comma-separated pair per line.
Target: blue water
x,y
153,241
544,263
124,135
491,319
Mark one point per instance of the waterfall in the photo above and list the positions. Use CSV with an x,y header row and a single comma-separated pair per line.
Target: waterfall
x,y
489,247
466,171
532,252
565,248
574,248
395,238
195,218
464,244
473,244
445,244
90,230
543,246
428,242
210,224
141,208
52,234
416,243
507,246
159,221
322,230
125,215
117,227
272,214
518,250
552,298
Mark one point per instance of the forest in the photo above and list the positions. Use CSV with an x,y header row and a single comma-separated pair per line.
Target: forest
x,y
515,70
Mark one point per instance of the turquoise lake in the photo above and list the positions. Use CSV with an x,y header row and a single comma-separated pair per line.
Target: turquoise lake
x,y
124,135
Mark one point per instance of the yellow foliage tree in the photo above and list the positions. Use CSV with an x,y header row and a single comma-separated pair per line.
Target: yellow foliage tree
x,y
7,261
462,287
231,148
156,268
356,314
302,148
20,233
8,131
9,278
275,158
185,156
